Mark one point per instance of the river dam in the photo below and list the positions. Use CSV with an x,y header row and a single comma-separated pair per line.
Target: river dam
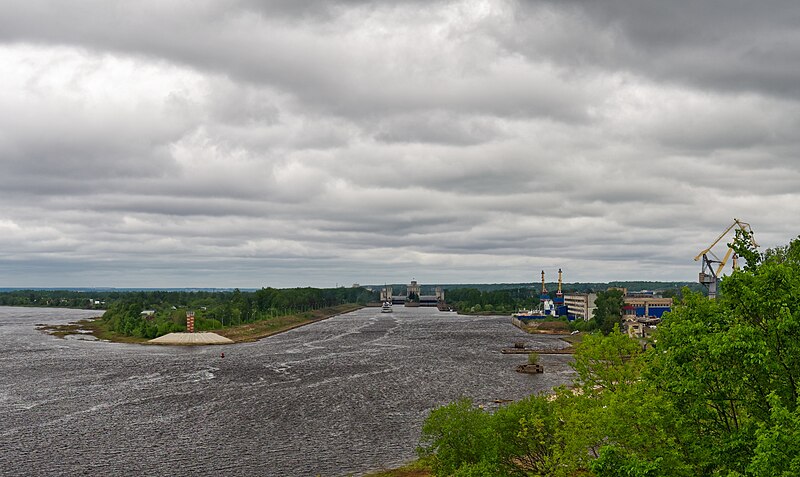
x,y
344,396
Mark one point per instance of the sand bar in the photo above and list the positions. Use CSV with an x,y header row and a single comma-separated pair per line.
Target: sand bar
x,y
191,339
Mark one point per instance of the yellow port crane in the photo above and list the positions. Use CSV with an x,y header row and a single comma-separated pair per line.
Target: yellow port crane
x,y
709,273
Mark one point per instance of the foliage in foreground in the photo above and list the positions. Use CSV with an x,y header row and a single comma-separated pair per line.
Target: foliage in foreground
x,y
716,396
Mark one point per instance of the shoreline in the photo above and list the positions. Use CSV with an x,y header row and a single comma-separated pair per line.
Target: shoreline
x,y
250,332
416,468
245,333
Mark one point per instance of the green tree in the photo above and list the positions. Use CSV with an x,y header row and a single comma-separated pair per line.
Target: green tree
x,y
520,438
731,367
778,443
528,437
608,314
607,362
458,435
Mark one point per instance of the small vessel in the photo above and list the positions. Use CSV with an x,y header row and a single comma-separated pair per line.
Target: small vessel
x,y
387,307
528,314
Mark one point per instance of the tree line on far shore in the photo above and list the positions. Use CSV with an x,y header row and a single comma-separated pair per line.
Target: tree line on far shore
x,y
152,313
220,309
216,309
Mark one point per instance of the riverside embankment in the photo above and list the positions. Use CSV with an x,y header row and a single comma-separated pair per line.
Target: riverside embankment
x,y
253,331
342,396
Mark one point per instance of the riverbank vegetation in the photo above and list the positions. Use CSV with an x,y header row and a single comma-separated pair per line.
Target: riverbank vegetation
x,y
716,394
418,468
93,326
100,329
473,300
549,325
138,316
152,314
261,329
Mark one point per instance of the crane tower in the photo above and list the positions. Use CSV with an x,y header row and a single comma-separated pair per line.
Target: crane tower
x,y
712,265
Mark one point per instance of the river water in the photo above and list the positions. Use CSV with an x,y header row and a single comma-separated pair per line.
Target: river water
x,y
343,396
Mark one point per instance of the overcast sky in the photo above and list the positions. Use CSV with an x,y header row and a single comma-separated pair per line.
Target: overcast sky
x,y
225,143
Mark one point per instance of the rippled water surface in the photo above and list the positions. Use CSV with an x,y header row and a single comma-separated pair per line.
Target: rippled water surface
x,y
343,396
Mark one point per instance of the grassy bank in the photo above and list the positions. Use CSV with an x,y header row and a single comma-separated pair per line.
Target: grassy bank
x,y
418,468
261,329
240,333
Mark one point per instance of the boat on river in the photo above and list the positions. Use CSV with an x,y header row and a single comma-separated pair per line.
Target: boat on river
x,y
528,314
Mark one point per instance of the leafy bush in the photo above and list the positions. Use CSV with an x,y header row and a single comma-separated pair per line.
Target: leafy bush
x,y
461,439
457,434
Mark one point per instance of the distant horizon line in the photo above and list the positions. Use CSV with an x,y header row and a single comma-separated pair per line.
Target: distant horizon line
x,y
200,288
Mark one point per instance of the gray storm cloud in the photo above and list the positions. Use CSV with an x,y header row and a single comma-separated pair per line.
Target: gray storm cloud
x,y
285,143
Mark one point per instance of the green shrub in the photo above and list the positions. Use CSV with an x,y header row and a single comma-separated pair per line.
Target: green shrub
x,y
456,435
518,439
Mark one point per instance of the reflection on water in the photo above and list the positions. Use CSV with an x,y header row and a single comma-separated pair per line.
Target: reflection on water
x,y
340,397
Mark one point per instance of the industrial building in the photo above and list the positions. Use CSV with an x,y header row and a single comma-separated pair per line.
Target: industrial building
x,y
642,312
643,307
646,306
580,305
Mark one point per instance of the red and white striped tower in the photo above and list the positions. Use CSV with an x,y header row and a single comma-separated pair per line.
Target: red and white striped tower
x,y
190,322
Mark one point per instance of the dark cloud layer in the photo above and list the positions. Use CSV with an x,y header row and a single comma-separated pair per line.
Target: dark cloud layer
x,y
284,143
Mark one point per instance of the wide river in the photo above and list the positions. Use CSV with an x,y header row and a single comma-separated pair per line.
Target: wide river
x,y
340,397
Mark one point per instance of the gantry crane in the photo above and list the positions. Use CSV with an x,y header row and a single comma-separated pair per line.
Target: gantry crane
x,y
709,273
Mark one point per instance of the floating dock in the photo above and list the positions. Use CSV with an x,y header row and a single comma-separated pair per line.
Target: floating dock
x,y
530,368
